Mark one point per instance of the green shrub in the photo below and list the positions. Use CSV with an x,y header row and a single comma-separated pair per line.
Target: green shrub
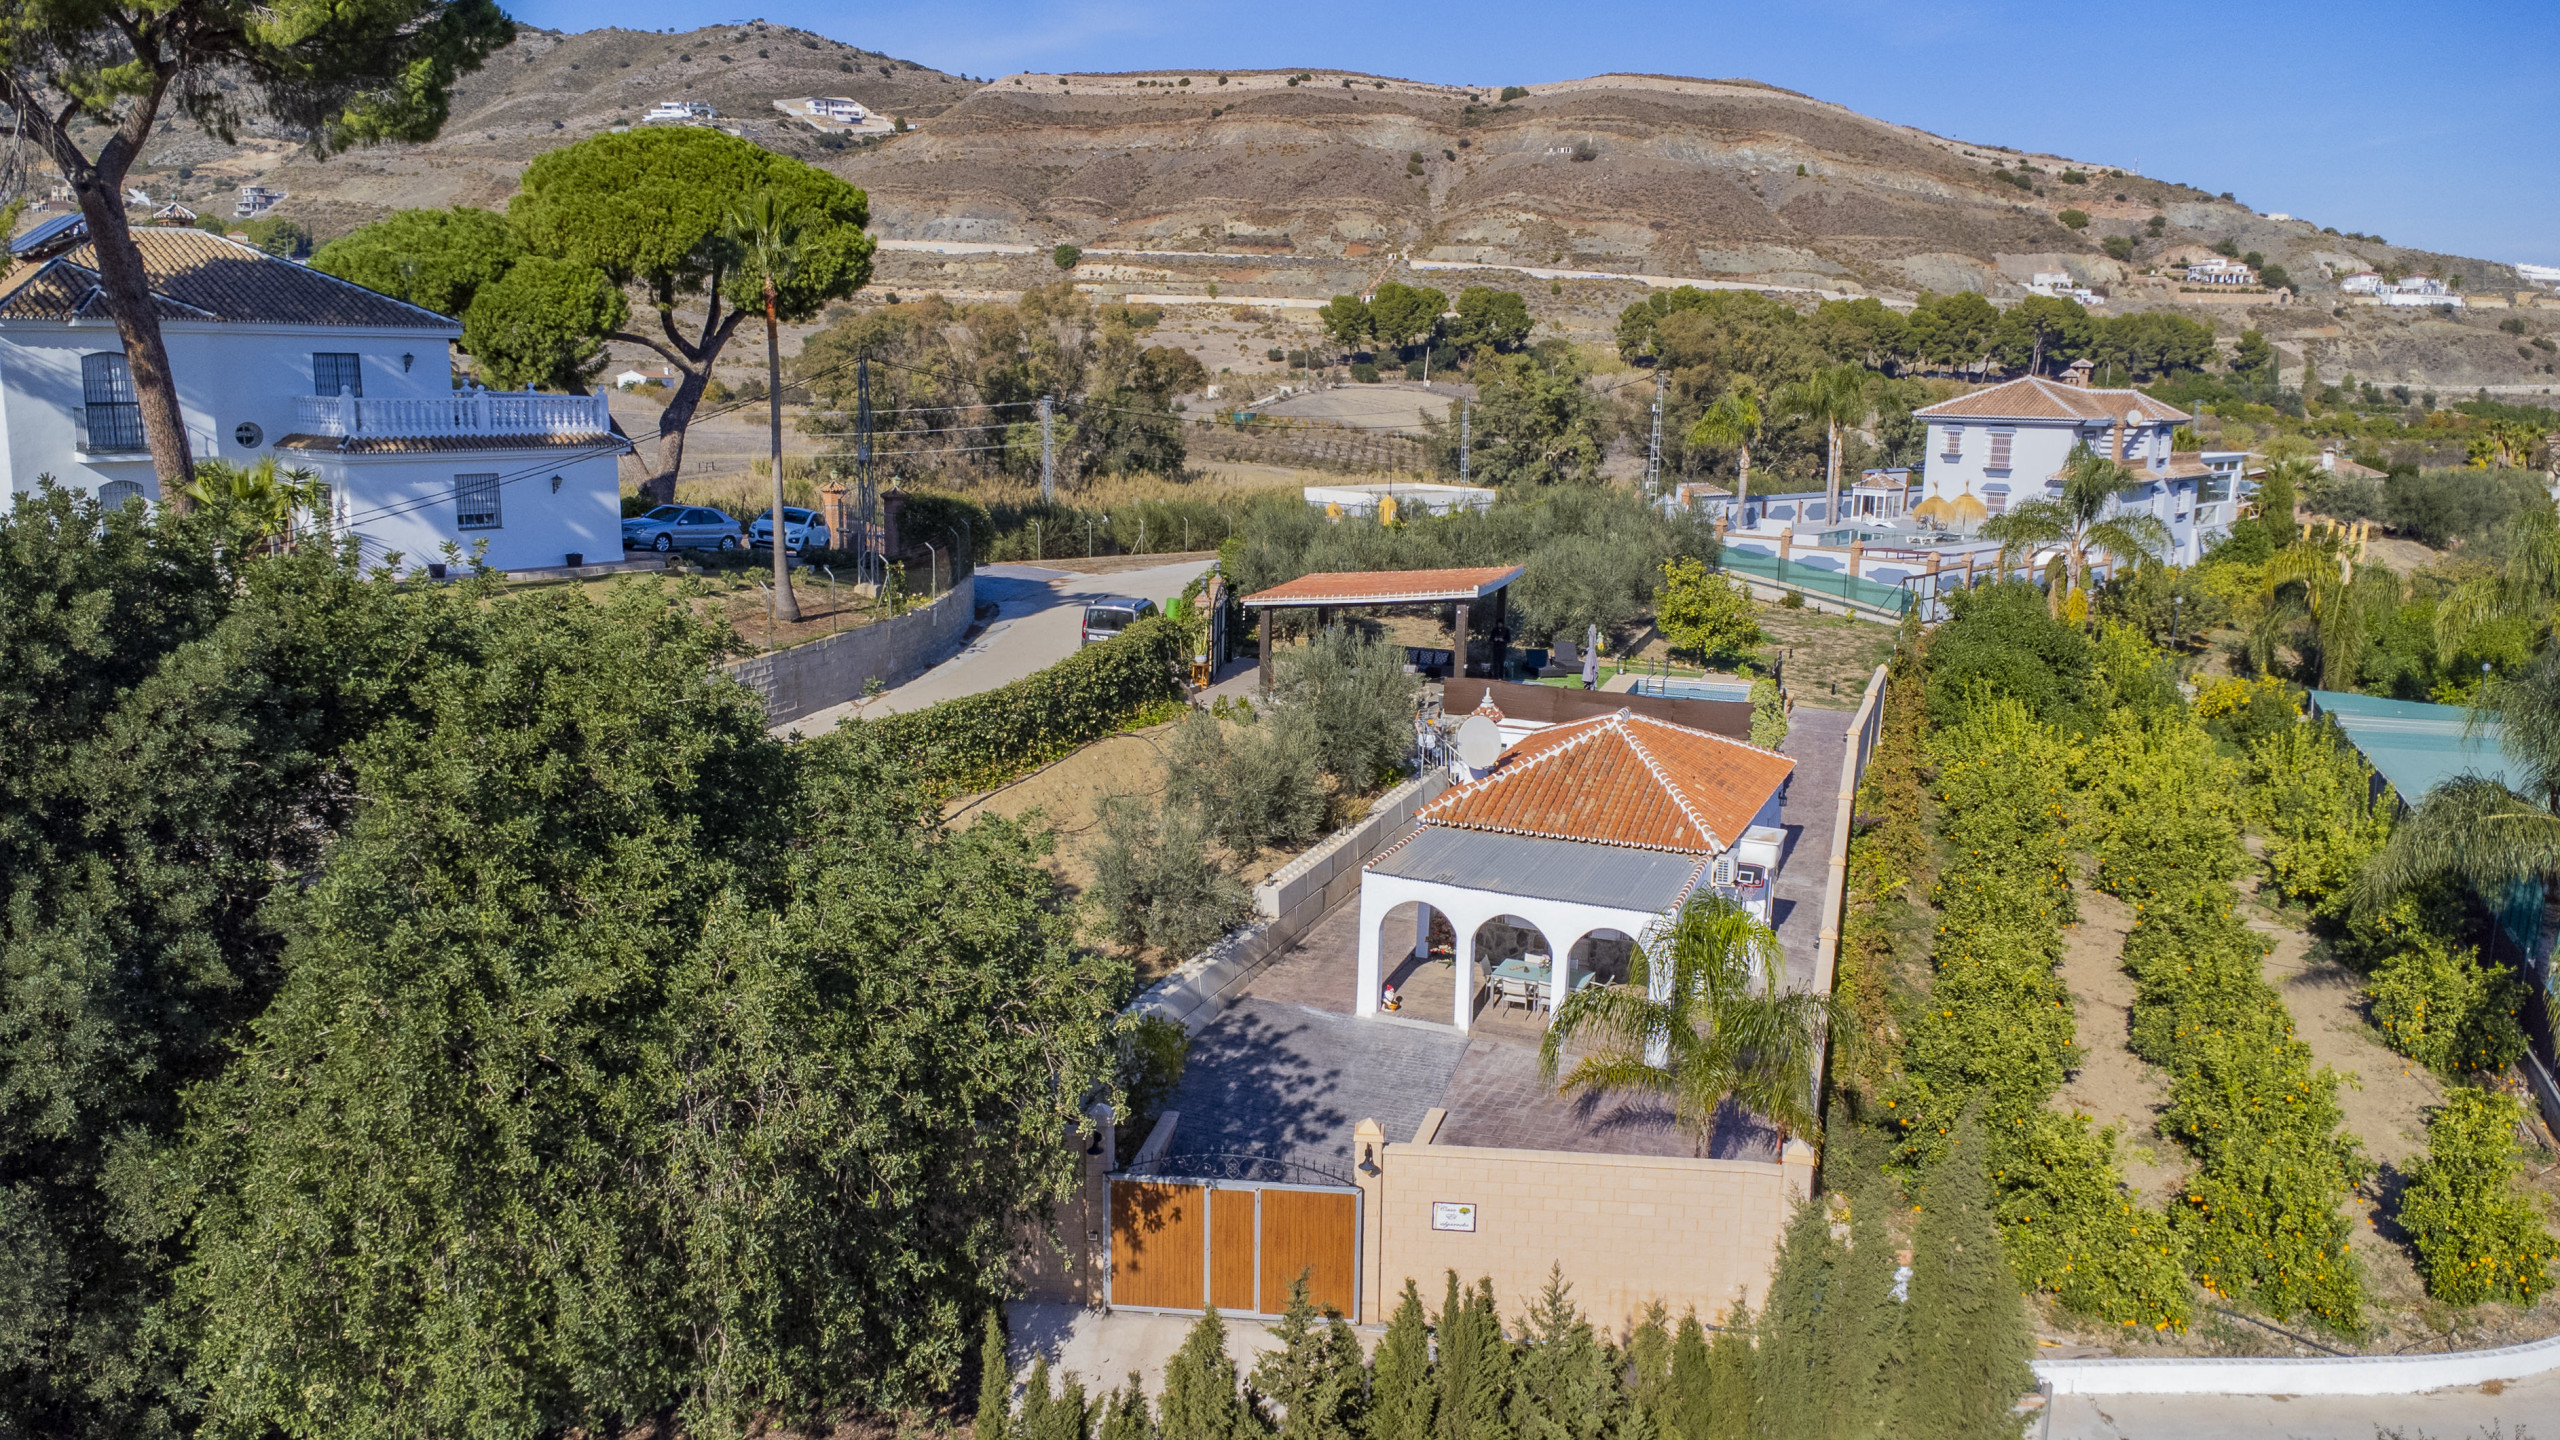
x,y
2478,1237
1149,1054
1365,373
1255,784
2313,797
982,740
1351,693
1768,714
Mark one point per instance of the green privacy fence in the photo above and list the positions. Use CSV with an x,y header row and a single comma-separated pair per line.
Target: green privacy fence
x,y
1816,580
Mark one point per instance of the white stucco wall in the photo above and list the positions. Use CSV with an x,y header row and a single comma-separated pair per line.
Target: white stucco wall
x,y
404,504
226,373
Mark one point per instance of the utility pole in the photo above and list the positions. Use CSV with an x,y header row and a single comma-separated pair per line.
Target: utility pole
x,y
1653,457
866,488
1466,439
1048,458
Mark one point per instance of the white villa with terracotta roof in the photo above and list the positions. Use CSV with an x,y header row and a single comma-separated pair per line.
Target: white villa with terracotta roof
x,y
1577,838
1999,447
275,358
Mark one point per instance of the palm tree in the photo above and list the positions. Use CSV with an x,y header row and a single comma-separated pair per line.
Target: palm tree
x,y
768,234
2077,522
2526,584
2338,597
1832,398
1704,1019
1732,421
2476,829
261,499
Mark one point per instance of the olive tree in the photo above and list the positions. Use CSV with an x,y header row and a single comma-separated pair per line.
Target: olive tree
x,y
342,73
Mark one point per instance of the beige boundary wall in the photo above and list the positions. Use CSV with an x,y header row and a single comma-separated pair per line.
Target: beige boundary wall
x,y
1627,1229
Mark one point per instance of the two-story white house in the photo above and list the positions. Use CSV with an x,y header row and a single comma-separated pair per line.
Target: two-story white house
x,y
2005,445
275,358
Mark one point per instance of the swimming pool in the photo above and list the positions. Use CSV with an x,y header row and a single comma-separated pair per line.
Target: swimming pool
x,y
1677,688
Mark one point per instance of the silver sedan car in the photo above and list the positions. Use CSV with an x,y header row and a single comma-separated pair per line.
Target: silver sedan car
x,y
680,527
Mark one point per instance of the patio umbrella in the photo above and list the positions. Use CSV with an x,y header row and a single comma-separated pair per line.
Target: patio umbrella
x,y
1591,659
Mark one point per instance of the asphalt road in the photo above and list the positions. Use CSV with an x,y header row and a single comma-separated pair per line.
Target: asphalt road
x,y
2471,1413
1039,621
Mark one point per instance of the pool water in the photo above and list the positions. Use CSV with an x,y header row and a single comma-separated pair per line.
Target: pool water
x,y
1675,688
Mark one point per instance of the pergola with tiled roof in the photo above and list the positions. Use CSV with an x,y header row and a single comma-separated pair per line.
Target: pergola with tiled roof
x,y
1461,590
1588,829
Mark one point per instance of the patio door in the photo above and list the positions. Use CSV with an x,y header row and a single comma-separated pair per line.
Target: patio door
x,y
1184,1244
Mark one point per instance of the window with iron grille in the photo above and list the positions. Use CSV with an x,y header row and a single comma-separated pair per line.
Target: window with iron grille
x,y
1955,442
110,417
114,493
475,502
2000,442
1995,499
333,373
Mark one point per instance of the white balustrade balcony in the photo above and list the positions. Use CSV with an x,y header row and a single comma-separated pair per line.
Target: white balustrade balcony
x,y
527,413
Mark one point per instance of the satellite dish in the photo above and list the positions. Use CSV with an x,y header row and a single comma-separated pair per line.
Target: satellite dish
x,y
1479,743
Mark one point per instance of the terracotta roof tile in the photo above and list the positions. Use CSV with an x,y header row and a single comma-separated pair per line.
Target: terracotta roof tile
x,y
1388,587
1622,779
2034,397
196,276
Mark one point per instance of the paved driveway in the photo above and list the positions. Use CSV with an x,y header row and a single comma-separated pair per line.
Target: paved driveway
x,y
1039,621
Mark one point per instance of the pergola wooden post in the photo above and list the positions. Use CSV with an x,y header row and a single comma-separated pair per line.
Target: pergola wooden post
x,y
1266,652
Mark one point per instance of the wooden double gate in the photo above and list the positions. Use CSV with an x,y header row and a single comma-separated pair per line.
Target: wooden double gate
x,y
1187,1244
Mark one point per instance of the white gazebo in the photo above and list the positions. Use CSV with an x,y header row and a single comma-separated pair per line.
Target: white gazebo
x,y
1549,867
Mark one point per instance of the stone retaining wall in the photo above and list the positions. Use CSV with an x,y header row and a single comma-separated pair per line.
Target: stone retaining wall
x,y
808,678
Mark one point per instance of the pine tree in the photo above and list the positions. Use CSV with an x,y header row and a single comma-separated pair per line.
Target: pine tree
x,y
1200,1400
1693,1399
1865,1323
1793,1389
1474,1365
1315,1375
995,1381
1402,1397
1733,1380
1063,1416
1125,1415
1563,1386
1967,1322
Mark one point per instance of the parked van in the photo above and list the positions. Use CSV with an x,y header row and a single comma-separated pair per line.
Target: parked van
x,y
1108,616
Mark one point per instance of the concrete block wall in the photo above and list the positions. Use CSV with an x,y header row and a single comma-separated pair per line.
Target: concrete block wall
x,y
1295,897
808,678
1627,1229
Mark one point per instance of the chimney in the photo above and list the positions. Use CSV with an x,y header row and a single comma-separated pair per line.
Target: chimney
x,y
2076,374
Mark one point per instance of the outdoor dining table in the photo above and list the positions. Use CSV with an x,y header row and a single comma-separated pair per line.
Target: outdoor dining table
x,y
1538,971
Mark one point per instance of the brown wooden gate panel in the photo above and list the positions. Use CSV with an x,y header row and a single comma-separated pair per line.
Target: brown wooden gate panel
x,y
1231,1226
1311,1230
1156,1242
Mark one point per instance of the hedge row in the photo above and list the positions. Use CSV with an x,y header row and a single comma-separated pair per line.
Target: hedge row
x,y
2259,1214
1996,1030
980,741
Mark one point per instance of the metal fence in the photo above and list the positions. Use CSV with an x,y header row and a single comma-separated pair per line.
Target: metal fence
x,y
1816,580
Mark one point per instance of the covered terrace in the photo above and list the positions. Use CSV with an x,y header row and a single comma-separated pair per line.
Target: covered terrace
x,y
1461,590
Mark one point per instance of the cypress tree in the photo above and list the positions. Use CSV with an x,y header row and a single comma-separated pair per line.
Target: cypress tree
x,y
1693,1400
1562,1385
1125,1415
995,1381
1474,1365
1200,1400
1967,1322
1733,1381
1031,1421
1402,1397
1651,1400
1794,1386
1315,1375
1865,1323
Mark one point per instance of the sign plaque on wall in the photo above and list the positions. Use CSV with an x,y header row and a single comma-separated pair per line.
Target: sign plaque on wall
x,y
1453,1215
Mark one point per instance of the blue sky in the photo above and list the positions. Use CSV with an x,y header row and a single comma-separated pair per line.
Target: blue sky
x,y
2432,125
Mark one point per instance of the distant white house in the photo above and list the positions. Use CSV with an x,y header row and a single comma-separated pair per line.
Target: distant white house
x,y
837,108
2421,292
679,111
255,200
1997,448
2364,282
645,375
1409,499
2545,276
277,359
2221,270
2059,285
